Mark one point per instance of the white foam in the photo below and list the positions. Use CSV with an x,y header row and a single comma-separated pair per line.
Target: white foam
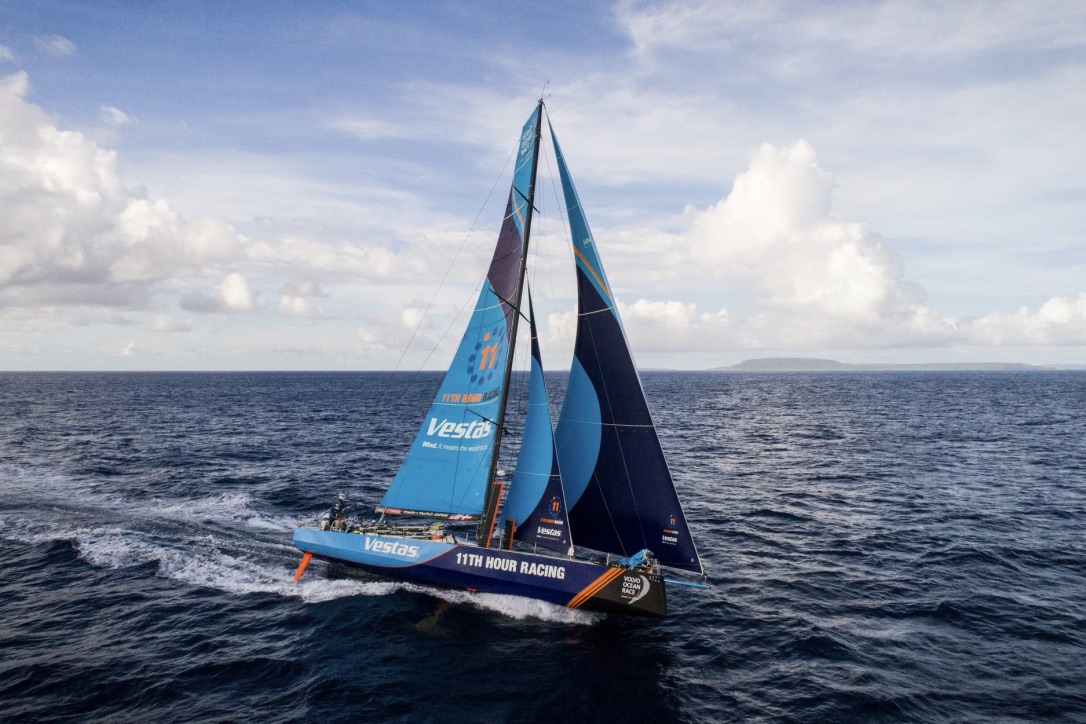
x,y
18,530
241,575
23,480
233,507
202,563
113,548
278,523
115,532
516,607
44,493
217,508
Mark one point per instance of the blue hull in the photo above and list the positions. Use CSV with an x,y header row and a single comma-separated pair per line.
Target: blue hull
x,y
562,581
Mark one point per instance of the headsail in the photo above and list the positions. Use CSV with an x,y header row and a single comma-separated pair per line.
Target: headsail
x,y
619,490
446,469
536,501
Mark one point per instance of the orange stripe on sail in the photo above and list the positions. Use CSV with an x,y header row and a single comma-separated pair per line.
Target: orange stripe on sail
x,y
593,272
593,588
520,218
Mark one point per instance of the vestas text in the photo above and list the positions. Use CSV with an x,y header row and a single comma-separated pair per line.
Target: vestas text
x,y
469,430
395,549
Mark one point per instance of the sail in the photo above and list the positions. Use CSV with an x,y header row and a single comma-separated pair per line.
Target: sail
x,y
619,491
446,469
536,502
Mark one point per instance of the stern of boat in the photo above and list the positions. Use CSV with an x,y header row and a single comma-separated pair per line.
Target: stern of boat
x,y
625,591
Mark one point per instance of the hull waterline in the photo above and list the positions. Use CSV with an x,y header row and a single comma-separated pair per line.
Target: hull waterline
x,y
563,581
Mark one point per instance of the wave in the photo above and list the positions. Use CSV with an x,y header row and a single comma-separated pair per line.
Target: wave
x,y
219,541
515,607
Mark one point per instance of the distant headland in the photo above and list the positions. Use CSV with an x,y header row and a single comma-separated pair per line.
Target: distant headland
x,y
811,364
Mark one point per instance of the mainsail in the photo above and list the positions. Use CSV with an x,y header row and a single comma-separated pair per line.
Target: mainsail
x,y
619,490
447,467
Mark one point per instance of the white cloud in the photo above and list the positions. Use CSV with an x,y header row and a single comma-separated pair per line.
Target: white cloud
x,y
294,306
412,317
335,258
294,301
887,29
128,350
653,326
371,343
6,54
369,129
673,325
432,314
306,288
1060,321
54,44
114,116
232,296
817,281
71,233
164,323
820,279
954,128
154,241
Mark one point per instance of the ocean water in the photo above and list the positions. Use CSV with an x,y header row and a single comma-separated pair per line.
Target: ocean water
x,y
881,546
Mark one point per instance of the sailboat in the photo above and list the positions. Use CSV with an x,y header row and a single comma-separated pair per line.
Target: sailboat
x,y
590,518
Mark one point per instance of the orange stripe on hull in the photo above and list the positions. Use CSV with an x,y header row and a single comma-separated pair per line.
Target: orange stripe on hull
x,y
593,588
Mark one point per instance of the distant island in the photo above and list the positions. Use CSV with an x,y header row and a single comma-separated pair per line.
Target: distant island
x,y
811,364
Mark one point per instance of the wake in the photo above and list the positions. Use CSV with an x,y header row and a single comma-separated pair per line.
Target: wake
x,y
222,541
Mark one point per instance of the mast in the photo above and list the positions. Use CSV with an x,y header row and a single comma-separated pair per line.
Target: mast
x,y
485,530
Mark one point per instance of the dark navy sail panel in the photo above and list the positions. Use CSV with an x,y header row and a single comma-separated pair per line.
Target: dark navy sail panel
x,y
504,272
536,501
446,469
620,493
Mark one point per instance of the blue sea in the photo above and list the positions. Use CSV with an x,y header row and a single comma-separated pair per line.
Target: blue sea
x,y
881,547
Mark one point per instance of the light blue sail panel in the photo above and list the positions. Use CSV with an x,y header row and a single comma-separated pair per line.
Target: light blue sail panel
x,y
620,492
446,469
536,502
584,248
522,174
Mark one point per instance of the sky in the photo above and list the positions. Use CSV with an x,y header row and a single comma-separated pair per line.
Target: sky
x,y
318,186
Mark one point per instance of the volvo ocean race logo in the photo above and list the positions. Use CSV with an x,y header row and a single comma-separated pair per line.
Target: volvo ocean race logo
x,y
528,137
635,588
